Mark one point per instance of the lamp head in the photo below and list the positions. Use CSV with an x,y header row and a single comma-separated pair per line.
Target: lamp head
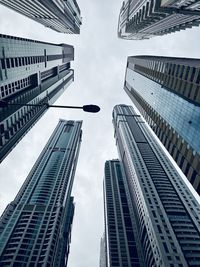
x,y
91,108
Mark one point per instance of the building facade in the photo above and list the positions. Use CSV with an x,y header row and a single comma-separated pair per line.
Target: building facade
x,y
167,93
59,15
145,19
166,213
35,228
102,258
31,72
121,245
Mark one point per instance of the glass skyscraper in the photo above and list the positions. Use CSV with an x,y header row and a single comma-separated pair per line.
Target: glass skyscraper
x,y
145,19
35,228
59,15
121,246
166,213
167,93
31,72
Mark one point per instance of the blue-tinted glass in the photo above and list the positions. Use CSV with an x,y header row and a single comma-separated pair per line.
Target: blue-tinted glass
x,y
182,115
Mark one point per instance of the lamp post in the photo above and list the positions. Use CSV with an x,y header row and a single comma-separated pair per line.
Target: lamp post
x,y
87,108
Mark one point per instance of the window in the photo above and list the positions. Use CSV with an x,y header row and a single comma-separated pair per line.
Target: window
x,y
8,63
12,63
3,63
192,74
17,62
165,247
187,72
182,71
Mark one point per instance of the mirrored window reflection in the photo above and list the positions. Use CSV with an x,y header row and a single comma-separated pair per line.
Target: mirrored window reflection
x,y
182,115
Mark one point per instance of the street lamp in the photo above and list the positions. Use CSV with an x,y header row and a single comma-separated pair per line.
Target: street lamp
x,y
86,108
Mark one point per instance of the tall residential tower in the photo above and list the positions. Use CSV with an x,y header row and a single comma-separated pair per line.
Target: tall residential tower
x,y
145,19
167,93
166,213
121,245
31,72
35,228
59,15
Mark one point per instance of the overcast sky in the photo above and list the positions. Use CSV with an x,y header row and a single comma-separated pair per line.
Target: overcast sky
x,y
100,61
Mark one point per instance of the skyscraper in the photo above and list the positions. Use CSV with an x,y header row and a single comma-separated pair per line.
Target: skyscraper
x,y
167,93
35,228
122,247
166,213
102,260
61,16
145,19
31,72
